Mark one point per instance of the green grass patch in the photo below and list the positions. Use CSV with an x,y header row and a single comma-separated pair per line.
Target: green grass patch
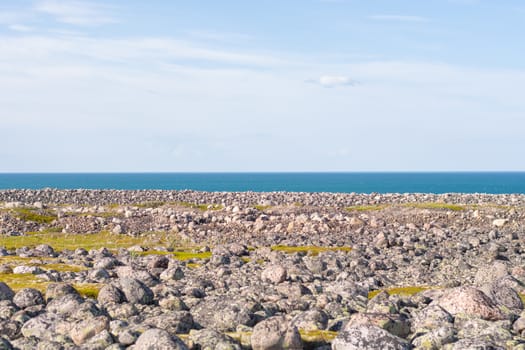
x,y
405,291
202,207
21,281
47,263
193,265
61,241
152,205
34,215
435,205
312,250
372,207
262,207
318,336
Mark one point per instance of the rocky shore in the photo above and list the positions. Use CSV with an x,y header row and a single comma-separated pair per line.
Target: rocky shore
x,y
82,269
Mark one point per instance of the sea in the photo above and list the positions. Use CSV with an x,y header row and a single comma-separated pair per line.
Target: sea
x,y
345,182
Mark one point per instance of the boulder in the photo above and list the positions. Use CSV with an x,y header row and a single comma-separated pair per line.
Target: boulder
x,y
368,337
469,301
27,297
158,339
276,333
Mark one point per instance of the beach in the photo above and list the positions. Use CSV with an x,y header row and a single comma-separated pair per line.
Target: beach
x,y
98,269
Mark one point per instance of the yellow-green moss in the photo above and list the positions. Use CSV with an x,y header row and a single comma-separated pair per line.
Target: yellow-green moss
x,y
318,336
312,250
34,215
193,265
61,241
407,291
435,205
185,255
262,207
88,290
152,205
367,207
20,281
202,207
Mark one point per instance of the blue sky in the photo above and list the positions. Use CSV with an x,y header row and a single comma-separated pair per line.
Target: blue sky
x,y
310,85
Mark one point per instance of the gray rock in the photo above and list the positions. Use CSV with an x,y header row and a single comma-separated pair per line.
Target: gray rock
x,y
55,290
177,322
22,269
311,320
27,297
5,344
10,329
65,304
368,337
473,344
223,314
110,294
212,340
84,330
436,338
430,317
275,333
6,293
158,339
136,291
274,274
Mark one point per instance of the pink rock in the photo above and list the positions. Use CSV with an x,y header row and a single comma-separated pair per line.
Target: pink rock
x,y
471,302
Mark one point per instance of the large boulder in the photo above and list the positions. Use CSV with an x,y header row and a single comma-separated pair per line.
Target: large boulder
x,y
27,297
158,339
223,314
135,291
6,293
471,302
212,340
368,337
275,333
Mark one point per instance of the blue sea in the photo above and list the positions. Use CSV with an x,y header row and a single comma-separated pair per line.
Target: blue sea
x,y
466,182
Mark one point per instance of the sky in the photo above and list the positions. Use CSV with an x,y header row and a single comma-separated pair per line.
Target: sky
x,y
267,85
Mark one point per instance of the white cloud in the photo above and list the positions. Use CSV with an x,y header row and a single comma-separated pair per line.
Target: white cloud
x,y
20,28
399,18
75,12
330,81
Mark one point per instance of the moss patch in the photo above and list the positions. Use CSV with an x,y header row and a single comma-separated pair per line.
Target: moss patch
x,y
317,336
435,205
21,281
61,241
312,250
407,291
367,207
262,207
34,215
202,207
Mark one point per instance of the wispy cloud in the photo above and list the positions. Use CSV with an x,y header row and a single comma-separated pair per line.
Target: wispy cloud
x,y
20,28
75,12
331,81
398,18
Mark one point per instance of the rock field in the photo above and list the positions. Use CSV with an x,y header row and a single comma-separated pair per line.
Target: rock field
x,y
106,269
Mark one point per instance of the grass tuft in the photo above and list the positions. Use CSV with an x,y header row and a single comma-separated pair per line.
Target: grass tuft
x,y
366,207
406,291
34,215
435,205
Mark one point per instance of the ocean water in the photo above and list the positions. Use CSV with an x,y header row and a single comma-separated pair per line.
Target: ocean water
x,y
467,182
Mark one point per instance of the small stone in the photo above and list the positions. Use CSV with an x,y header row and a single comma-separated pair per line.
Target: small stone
x,y
274,274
